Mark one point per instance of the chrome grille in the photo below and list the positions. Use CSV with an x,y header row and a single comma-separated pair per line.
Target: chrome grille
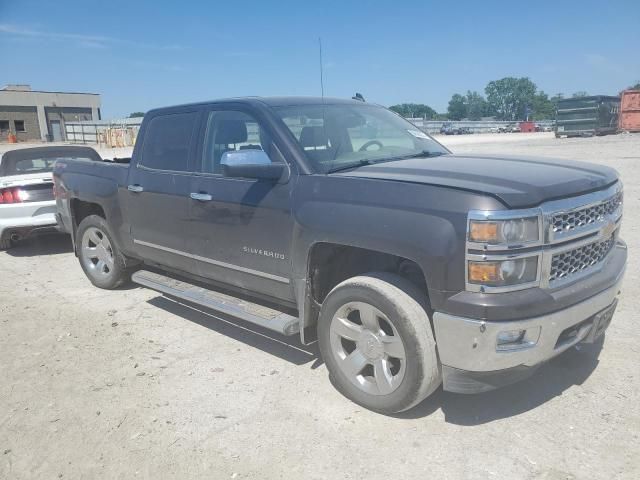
x,y
579,259
568,221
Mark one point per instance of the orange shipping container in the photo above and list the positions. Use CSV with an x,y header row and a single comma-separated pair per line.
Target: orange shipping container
x,y
629,120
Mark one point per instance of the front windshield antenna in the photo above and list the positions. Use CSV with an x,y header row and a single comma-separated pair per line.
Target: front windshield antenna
x,y
321,75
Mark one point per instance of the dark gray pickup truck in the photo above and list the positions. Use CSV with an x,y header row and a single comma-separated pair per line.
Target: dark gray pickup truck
x,y
338,220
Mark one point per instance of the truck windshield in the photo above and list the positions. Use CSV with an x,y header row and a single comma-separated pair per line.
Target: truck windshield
x,y
336,137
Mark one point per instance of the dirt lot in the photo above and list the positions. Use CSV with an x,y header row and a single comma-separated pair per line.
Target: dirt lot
x,y
125,384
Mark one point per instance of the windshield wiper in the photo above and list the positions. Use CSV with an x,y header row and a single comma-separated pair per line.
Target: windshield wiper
x,y
363,162
348,166
423,153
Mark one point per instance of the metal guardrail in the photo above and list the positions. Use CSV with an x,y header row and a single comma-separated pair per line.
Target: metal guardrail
x,y
476,126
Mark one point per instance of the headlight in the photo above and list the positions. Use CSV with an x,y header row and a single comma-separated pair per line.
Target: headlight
x,y
504,272
507,232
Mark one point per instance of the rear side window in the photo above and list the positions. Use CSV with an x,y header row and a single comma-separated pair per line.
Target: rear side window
x,y
167,141
26,165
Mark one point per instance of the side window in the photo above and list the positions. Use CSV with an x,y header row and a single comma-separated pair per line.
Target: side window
x,y
233,137
167,141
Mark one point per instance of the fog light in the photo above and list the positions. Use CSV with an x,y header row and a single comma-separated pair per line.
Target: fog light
x,y
508,340
517,339
511,336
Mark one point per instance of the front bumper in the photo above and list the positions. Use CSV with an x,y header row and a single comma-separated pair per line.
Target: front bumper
x,y
469,353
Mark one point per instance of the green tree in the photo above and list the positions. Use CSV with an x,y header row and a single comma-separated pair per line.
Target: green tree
x,y
580,94
543,107
414,110
476,105
509,97
136,114
457,108
635,87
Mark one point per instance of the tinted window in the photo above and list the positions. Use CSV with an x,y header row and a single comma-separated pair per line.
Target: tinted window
x,y
27,165
24,166
229,131
166,146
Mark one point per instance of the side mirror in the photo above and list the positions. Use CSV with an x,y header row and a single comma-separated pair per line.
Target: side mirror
x,y
251,164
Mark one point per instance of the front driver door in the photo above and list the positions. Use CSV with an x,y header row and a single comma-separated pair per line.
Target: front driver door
x,y
241,229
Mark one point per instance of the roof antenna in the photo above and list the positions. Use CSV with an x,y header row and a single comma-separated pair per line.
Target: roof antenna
x,y
321,76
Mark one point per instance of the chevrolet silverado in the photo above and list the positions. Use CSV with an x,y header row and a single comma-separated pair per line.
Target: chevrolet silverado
x,y
340,221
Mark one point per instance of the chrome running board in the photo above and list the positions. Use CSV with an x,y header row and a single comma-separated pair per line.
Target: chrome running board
x,y
244,310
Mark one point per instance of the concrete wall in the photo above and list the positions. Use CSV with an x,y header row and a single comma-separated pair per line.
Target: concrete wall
x,y
28,115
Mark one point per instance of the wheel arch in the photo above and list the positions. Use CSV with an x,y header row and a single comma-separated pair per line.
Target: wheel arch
x,y
79,210
330,263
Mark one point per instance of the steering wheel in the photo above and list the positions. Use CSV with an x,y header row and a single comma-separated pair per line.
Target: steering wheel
x,y
369,143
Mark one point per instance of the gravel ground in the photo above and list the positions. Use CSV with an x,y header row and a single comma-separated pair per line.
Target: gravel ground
x,y
126,383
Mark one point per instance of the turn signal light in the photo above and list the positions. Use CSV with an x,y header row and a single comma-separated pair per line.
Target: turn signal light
x,y
11,195
483,231
483,272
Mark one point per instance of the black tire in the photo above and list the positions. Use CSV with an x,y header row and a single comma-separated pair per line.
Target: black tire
x,y
6,244
401,303
117,273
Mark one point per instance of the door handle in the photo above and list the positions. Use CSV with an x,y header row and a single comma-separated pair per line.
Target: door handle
x,y
202,197
135,188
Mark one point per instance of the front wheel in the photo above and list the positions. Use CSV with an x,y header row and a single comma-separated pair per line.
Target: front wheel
x,y
98,254
376,340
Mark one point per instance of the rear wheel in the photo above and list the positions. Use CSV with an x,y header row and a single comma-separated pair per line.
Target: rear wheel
x,y
98,254
376,340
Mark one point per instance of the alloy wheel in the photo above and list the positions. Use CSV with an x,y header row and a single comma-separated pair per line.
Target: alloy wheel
x,y
368,348
97,252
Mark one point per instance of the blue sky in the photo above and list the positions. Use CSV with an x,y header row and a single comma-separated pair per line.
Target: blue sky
x,y
144,54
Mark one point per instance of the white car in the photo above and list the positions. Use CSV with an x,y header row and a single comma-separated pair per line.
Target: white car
x,y
27,203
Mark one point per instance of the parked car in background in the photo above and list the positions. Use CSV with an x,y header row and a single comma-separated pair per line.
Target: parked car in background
x,y
513,128
27,204
448,129
340,221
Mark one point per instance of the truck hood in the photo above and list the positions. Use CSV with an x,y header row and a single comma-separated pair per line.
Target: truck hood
x,y
519,182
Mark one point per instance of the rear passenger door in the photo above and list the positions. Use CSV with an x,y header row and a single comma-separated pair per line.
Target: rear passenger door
x,y
158,189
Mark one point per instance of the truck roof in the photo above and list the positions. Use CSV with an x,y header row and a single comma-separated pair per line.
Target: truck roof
x,y
270,101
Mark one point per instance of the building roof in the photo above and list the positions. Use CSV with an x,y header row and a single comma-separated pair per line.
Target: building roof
x,y
22,89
